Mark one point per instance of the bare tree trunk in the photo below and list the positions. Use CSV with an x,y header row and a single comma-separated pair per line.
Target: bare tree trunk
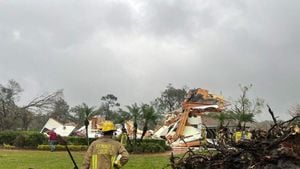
x,y
144,130
86,123
134,131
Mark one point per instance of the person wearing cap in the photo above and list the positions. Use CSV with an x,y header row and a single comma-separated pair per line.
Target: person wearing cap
x,y
105,153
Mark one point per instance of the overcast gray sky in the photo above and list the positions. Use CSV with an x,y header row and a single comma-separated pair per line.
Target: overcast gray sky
x,y
134,48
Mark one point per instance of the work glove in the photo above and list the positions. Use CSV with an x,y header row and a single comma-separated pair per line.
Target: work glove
x,y
117,164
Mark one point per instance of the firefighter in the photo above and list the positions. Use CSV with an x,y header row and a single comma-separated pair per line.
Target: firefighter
x,y
105,153
123,139
237,136
248,134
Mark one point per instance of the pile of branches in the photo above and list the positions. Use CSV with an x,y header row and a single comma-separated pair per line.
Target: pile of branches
x,y
277,148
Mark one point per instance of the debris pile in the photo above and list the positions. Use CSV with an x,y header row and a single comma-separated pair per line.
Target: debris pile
x,y
184,127
278,148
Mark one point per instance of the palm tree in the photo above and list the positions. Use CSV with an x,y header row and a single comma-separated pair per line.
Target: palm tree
x,y
135,113
83,111
149,116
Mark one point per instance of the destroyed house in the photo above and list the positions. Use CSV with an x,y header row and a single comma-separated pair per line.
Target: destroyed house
x,y
186,126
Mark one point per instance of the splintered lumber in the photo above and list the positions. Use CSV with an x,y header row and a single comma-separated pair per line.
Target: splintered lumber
x,y
190,144
182,123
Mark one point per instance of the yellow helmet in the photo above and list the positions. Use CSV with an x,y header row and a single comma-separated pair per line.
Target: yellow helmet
x,y
108,126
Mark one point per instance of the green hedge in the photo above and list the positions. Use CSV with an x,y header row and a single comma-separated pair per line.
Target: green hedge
x,y
22,139
160,142
148,146
78,140
31,139
63,148
8,137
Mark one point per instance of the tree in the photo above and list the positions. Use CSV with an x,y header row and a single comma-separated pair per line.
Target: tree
x,y
26,119
9,111
61,111
38,121
149,117
13,116
108,104
120,116
82,113
135,112
41,104
295,110
170,99
244,109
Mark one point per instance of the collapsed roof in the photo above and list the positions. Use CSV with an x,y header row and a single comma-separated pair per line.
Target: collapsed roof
x,y
186,126
60,129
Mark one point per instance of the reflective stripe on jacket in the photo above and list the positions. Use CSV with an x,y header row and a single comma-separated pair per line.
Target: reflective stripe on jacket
x,y
102,153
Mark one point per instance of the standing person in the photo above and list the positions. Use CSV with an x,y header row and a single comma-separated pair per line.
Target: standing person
x,y
52,139
123,139
105,153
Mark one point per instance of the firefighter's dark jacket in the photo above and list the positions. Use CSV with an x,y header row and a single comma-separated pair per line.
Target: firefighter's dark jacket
x,y
103,152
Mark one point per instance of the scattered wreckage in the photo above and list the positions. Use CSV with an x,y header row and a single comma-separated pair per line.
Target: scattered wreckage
x,y
277,148
186,126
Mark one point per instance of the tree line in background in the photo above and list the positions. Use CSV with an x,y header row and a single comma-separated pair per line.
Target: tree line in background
x,y
33,115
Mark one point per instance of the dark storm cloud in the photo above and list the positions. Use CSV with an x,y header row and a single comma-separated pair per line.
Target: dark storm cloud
x,y
133,49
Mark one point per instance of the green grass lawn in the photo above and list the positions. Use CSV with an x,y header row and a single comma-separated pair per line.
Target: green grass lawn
x,y
27,159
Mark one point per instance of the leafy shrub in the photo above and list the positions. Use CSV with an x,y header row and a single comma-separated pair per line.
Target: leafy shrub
x,y
8,137
135,149
79,140
20,141
7,146
160,142
152,148
34,139
63,148
22,138
148,146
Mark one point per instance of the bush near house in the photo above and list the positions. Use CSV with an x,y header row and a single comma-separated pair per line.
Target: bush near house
x,y
36,140
8,137
148,146
22,139
78,140
62,147
159,142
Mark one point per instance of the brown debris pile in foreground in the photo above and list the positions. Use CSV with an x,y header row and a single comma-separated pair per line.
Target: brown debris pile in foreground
x,y
278,148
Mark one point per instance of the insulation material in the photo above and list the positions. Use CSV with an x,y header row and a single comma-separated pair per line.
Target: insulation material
x,y
190,131
195,120
203,107
161,132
